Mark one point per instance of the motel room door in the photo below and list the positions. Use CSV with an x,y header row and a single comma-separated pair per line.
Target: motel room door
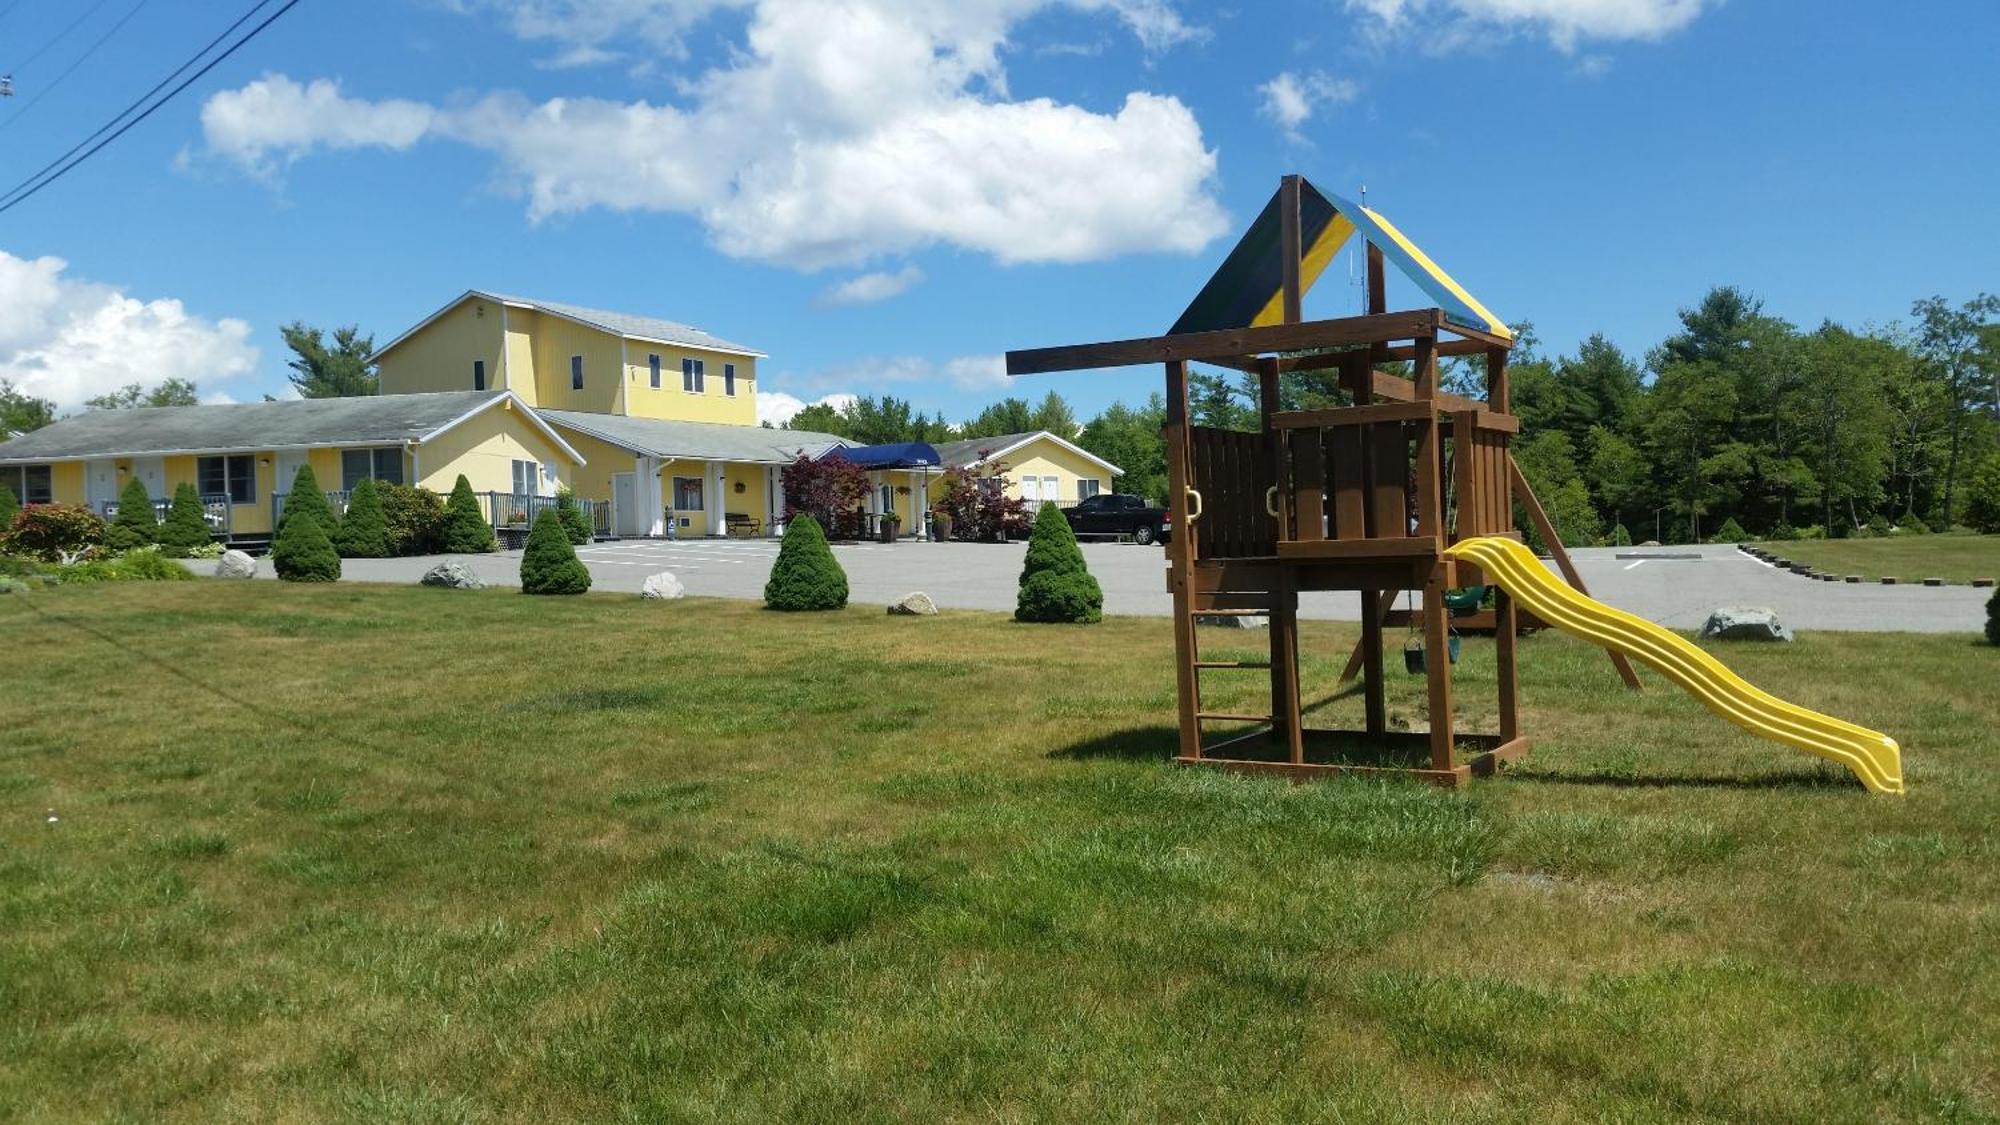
x,y
625,503
100,484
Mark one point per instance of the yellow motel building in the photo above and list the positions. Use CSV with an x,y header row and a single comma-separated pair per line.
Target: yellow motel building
x,y
653,420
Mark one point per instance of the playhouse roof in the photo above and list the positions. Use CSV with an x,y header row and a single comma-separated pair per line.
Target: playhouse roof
x,y
1247,290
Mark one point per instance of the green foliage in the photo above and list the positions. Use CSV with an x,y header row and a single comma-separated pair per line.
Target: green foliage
x,y
1731,532
575,520
21,412
1912,524
465,530
1130,439
805,575
1993,618
1982,501
306,499
1620,537
413,517
341,370
185,529
364,530
1878,526
172,392
1056,586
145,564
53,532
134,525
9,508
302,551
548,563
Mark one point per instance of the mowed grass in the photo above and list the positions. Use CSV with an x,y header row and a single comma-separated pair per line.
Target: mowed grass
x,y
273,852
1957,559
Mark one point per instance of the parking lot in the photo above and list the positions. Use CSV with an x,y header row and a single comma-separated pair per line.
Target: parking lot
x,y
1659,584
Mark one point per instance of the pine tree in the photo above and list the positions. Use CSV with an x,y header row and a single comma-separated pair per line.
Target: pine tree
x,y
364,531
307,499
302,552
805,575
548,563
9,508
1056,586
186,525
575,520
466,531
1620,537
134,525
1731,532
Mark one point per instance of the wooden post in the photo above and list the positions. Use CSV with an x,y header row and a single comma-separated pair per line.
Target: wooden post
x,y
1437,667
1430,493
1373,606
1378,291
1290,249
1540,518
1180,561
1506,639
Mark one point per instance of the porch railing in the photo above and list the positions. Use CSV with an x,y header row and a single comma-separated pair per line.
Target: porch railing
x,y
504,510
214,509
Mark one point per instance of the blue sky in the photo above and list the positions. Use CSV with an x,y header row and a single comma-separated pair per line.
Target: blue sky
x,y
989,173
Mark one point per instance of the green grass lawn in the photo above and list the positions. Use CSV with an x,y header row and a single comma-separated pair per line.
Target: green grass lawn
x,y
1955,558
408,854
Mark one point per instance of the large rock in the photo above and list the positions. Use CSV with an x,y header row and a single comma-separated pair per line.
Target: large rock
x,y
452,574
235,564
662,587
918,604
1744,623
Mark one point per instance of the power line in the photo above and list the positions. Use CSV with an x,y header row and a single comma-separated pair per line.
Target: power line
x,y
71,69
59,36
50,173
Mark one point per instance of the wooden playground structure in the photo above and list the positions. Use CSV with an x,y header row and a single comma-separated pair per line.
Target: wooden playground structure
x,y
1363,497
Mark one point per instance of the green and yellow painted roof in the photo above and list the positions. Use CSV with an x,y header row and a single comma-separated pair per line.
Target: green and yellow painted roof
x,y
1248,290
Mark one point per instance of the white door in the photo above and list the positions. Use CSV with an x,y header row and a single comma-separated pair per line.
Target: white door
x,y
625,506
289,465
100,484
1051,489
1031,490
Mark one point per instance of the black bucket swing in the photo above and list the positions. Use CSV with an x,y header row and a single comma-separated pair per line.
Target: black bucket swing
x,y
1414,660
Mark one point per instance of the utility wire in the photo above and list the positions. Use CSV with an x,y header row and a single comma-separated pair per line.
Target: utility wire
x,y
50,173
71,69
44,48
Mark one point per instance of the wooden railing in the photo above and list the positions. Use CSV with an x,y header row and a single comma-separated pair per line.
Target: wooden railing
x,y
214,509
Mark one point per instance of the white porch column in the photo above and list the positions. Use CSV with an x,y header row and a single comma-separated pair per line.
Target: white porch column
x,y
774,499
652,517
715,500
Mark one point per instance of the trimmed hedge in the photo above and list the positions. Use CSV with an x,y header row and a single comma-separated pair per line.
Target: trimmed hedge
x,y
134,525
307,498
1730,532
466,530
186,526
364,530
548,563
805,576
1056,586
415,518
575,520
9,508
302,552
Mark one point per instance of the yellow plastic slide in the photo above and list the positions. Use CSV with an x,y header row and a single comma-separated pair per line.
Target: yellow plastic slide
x,y
1872,755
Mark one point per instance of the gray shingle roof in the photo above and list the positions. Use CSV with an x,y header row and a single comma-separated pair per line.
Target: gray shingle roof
x,y
247,426
701,441
627,324
958,454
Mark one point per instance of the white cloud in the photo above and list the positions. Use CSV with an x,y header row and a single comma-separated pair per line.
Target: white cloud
x,y
965,373
870,287
839,132
1290,99
275,116
1566,23
778,408
67,339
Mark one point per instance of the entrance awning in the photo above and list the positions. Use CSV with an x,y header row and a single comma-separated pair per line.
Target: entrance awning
x,y
899,455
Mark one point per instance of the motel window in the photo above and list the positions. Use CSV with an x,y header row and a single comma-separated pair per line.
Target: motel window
x,y
692,376
653,366
576,373
527,478
1087,487
729,379
234,477
30,484
478,374
687,494
384,464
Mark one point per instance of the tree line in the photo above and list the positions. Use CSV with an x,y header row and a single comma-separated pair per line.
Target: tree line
x,y
1738,416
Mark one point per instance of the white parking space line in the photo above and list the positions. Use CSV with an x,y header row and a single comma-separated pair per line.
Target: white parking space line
x,y
1637,565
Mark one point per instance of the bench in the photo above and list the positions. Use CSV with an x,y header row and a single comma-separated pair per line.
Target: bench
x,y
740,525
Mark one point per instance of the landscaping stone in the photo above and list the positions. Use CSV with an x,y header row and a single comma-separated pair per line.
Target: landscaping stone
x,y
662,587
917,604
235,564
1933,581
1888,581
1744,623
1981,583
1232,621
1650,543
1854,578
452,575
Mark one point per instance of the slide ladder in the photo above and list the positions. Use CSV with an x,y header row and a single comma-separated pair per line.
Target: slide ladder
x,y
1871,755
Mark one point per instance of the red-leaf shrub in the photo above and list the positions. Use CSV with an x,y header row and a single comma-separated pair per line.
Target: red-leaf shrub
x,y
978,506
831,491
53,532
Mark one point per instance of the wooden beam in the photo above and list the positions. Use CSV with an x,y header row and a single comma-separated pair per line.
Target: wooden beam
x,y
1378,292
1382,384
1526,494
1227,342
1289,248
1354,415
1414,546
1506,640
1478,336
1437,670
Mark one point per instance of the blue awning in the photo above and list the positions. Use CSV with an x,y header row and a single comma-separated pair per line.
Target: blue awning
x,y
900,455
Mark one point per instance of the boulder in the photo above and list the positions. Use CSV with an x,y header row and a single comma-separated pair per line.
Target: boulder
x,y
662,587
918,604
1232,621
452,575
235,564
1744,623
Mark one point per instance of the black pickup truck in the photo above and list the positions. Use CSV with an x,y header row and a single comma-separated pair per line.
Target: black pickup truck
x,y
1111,513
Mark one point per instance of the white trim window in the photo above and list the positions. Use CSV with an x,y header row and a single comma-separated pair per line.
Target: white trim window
x,y
693,376
653,369
527,478
576,373
1087,487
729,380
384,463
687,494
1051,489
30,484
234,476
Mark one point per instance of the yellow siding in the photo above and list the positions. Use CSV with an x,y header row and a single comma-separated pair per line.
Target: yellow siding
x,y
696,522
66,482
554,341
518,367
484,449
601,461
909,506
439,356
1044,458
673,403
